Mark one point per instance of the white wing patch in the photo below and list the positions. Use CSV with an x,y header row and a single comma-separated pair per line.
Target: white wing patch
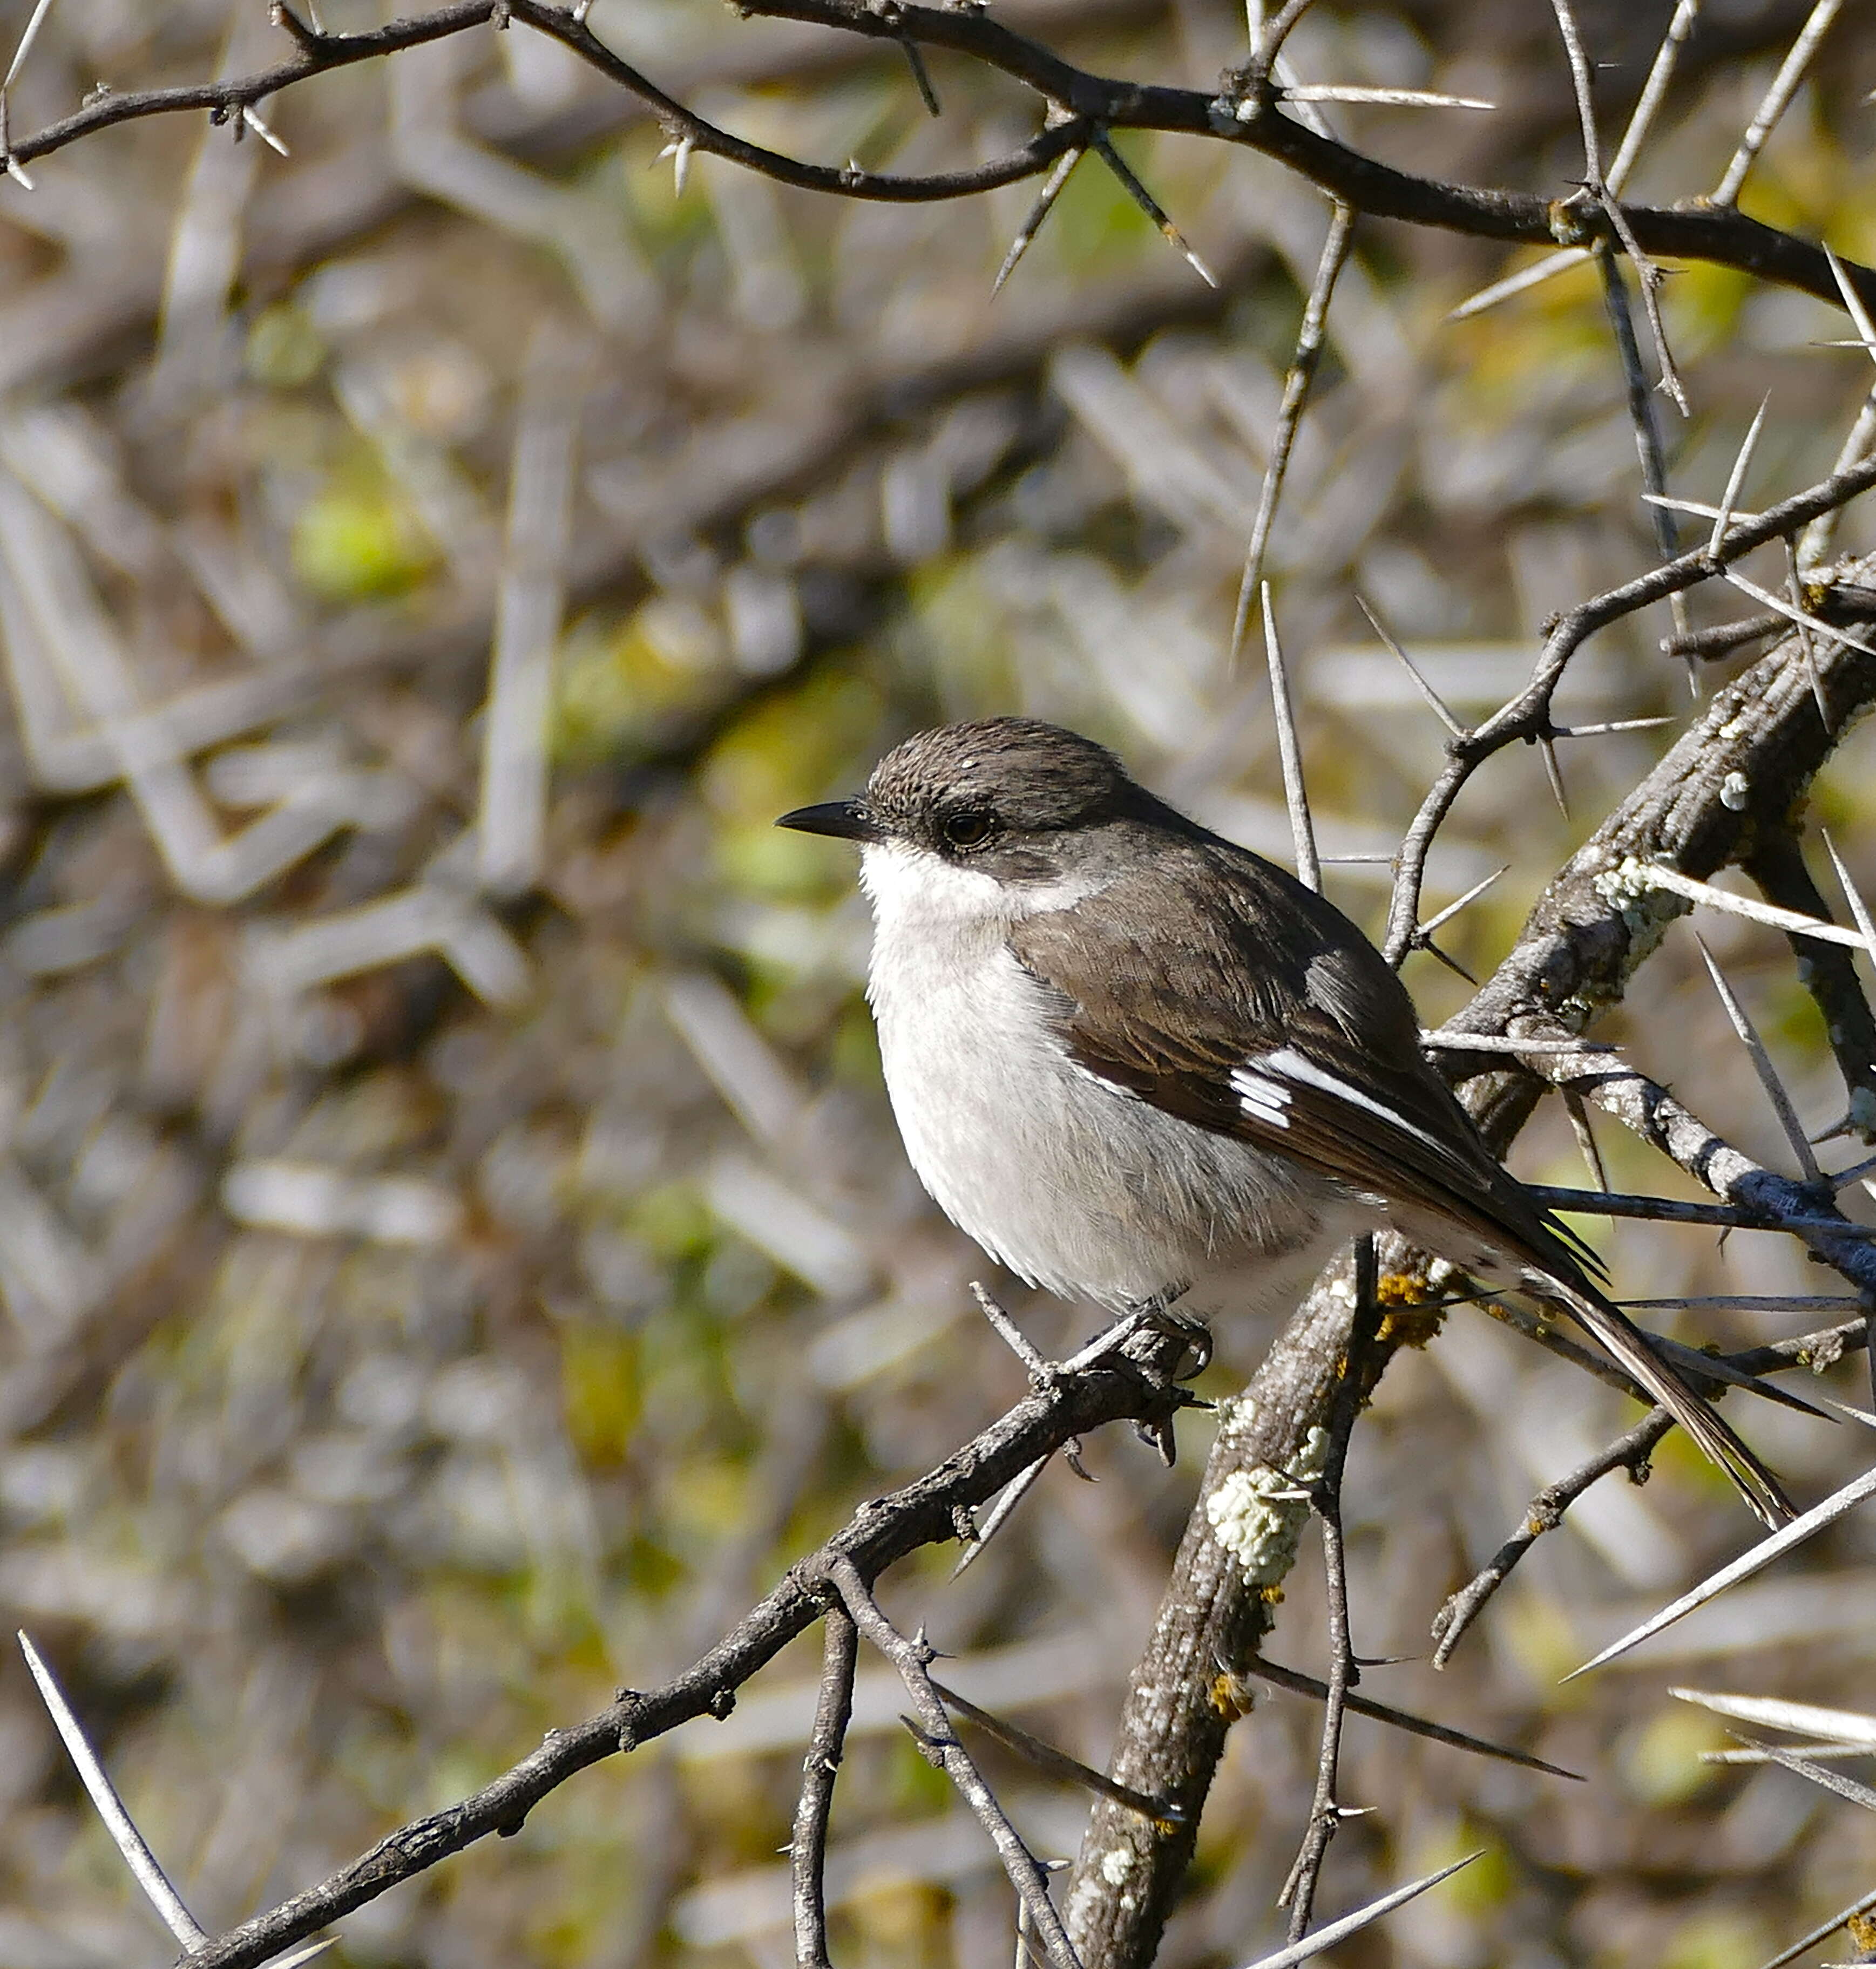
x,y
1262,1098
1297,1066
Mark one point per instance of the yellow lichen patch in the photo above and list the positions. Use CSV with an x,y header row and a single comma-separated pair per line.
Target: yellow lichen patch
x,y
1231,1696
1411,1314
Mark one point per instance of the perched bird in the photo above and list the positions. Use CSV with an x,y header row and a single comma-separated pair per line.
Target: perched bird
x,y
1131,1059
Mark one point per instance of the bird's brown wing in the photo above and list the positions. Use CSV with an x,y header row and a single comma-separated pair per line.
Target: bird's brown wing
x,y
1292,1032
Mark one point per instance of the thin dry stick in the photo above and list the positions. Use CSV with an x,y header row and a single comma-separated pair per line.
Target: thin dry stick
x,y
1777,100
1440,918
1352,1924
1673,1210
1653,93
1325,1808
1736,478
9,167
1807,647
808,1849
1275,32
1296,385
1001,1512
1553,772
921,76
1823,1933
1608,726
1816,542
1795,922
1056,1763
1856,1173
940,1743
1853,306
1744,1303
1753,1560
1399,98
1723,638
1585,1137
1447,1040
1798,617
1289,751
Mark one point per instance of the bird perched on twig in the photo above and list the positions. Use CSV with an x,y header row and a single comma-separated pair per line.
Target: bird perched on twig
x,y
1135,1062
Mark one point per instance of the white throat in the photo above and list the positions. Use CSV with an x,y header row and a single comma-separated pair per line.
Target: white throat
x,y
911,889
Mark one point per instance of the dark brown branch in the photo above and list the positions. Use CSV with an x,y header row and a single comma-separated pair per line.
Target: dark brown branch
x,y
1629,1451
1674,1209
1527,716
1721,236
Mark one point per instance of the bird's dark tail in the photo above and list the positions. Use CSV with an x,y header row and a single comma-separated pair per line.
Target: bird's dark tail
x,y
1630,1349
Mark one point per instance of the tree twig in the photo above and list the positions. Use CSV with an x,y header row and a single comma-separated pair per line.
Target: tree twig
x,y
1325,1807
912,1657
1629,1450
820,1768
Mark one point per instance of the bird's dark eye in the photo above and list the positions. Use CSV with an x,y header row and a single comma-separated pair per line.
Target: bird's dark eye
x,y
971,828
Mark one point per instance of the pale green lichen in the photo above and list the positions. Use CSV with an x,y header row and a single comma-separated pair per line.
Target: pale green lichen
x,y
1110,1870
1863,1113
1646,908
1257,1515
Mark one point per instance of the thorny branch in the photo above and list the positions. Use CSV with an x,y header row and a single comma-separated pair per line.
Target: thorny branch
x,y
1084,105
1631,1452
1326,1807
940,1743
1528,717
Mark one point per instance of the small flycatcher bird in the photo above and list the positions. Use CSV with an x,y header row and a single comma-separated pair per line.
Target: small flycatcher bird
x,y
1132,1060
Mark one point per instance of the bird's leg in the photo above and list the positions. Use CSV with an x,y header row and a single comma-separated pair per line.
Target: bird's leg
x,y
1160,1314
1155,1314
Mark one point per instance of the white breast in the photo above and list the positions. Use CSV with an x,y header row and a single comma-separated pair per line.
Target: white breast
x,y
1071,1183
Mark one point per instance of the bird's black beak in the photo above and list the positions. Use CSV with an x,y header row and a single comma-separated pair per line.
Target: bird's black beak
x,y
847,820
